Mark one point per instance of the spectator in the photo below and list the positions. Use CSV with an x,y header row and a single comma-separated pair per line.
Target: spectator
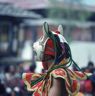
x,y
2,89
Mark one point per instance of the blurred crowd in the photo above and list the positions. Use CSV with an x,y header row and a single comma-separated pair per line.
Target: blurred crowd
x,y
87,87
11,83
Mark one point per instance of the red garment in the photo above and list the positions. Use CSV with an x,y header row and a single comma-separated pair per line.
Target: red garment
x,y
88,86
57,73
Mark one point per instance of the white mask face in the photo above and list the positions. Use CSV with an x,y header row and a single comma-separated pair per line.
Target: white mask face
x,y
38,48
38,51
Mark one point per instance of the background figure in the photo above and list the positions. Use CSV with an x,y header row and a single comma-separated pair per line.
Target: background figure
x,y
2,89
91,68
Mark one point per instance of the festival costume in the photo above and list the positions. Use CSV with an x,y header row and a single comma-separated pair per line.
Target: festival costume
x,y
55,45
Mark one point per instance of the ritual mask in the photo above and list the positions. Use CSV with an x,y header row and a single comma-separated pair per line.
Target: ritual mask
x,y
51,43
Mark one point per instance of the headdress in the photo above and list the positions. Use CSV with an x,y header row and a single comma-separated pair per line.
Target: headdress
x,y
53,44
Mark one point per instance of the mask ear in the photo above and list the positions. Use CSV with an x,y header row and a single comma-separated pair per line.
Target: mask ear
x,y
60,29
45,29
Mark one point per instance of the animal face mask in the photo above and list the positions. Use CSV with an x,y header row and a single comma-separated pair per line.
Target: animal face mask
x,y
51,43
